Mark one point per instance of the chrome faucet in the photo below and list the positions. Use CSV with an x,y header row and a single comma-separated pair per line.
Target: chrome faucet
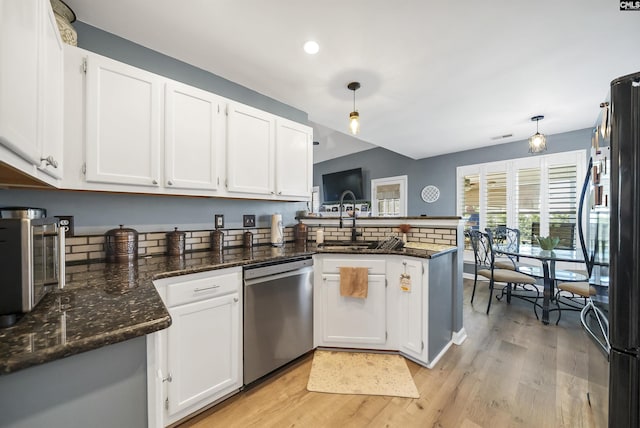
x,y
353,227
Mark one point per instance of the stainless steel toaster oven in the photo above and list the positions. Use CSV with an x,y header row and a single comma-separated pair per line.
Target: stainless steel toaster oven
x,y
31,260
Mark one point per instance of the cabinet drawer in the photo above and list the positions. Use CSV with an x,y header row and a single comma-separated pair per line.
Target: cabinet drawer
x,y
191,289
376,266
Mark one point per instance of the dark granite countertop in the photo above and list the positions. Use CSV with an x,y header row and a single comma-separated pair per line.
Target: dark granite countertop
x,y
105,303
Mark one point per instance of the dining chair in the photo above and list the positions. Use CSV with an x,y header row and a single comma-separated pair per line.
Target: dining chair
x,y
482,244
509,239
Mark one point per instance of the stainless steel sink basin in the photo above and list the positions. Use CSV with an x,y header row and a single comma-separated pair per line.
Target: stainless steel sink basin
x,y
348,245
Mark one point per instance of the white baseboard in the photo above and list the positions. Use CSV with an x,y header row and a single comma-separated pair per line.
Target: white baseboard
x,y
459,336
433,362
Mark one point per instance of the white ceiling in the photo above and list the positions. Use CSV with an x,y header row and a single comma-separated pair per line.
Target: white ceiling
x,y
437,77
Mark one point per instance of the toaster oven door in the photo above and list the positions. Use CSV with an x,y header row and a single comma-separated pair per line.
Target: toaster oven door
x,y
44,260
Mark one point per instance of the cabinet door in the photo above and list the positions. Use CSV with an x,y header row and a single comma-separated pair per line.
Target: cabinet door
x,y
51,105
412,319
250,150
123,123
351,320
294,159
204,353
19,35
192,148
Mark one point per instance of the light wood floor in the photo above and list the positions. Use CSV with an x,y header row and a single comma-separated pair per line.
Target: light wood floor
x,y
512,371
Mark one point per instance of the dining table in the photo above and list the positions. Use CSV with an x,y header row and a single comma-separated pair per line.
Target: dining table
x,y
547,270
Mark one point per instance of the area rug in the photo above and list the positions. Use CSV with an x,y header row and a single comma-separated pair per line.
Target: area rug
x,y
361,373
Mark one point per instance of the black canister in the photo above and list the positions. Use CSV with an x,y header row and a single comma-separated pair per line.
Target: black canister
x,y
121,244
176,242
247,239
217,240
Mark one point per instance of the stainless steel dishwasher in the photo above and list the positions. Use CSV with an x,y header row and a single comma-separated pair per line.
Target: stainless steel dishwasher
x,y
278,315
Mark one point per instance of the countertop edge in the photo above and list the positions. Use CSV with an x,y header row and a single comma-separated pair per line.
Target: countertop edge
x,y
10,365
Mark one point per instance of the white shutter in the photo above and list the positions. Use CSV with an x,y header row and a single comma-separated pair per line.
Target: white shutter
x,y
495,197
562,202
528,202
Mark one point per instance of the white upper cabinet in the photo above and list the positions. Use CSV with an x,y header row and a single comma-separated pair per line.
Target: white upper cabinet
x,y
19,61
294,159
31,61
51,107
250,150
129,130
193,146
123,123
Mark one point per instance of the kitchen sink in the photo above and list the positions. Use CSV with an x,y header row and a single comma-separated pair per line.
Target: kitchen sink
x,y
349,245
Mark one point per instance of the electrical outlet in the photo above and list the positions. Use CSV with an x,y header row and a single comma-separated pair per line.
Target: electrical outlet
x,y
249,220
66,222
219,221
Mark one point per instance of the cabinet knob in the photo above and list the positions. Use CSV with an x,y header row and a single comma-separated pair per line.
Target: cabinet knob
x,y
273,193
170,183
155,182
279,193
50,161
235,299
167,379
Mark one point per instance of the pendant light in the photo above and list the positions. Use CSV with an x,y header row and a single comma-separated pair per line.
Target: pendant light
x,y
354,117
538,141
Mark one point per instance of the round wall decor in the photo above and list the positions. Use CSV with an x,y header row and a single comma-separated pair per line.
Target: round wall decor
x,y
430,194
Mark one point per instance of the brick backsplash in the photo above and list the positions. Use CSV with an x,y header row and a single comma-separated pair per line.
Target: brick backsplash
x,y
91,247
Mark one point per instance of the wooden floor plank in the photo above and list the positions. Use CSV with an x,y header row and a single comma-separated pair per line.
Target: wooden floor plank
x,y
512,371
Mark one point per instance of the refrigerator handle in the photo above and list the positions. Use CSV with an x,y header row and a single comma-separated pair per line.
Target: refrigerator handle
x,y
583,195
603,324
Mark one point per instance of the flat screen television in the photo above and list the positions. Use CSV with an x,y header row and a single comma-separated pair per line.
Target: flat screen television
x,y
337,182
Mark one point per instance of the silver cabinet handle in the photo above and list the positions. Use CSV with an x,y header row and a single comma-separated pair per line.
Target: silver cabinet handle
x,y
167,379
155,182
170,183
197,290
50,161
279,193
235,299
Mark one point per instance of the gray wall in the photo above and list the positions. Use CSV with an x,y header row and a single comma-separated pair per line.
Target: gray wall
x,y
95,212
106,388
440,171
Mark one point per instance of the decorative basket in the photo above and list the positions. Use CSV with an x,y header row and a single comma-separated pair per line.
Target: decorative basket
x,y
64,17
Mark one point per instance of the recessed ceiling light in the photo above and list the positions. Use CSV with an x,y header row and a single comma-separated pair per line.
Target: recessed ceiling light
x,y
311,47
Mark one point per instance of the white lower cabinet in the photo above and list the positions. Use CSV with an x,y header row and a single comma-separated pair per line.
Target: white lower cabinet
x,y
412,320
197,361
352,320
409,308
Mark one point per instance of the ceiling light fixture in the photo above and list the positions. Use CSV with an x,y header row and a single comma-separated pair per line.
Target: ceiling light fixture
x,y
311,47
538,141
354,117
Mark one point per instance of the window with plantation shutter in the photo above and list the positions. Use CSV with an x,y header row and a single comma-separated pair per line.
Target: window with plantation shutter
x,y
562,204
537,195
528,201
495,199
471,201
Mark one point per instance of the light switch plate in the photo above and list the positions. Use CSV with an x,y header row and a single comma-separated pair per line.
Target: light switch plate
x,y
249,220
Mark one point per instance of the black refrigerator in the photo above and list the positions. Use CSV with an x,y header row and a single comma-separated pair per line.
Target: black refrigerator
x,y
624,253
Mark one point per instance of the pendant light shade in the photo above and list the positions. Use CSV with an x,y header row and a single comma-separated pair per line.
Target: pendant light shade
x,y
538,141
354,117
